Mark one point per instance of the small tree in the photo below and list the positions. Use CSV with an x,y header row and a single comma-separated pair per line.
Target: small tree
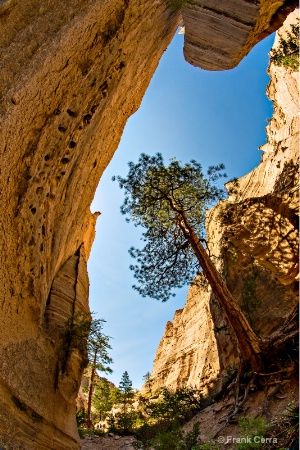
x,y
170,202
147,379
123,421
126,390
97,347
102,399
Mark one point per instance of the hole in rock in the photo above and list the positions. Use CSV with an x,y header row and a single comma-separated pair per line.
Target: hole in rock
x,y
71,113
72,144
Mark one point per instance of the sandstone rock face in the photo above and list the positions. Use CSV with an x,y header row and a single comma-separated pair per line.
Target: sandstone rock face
x,y
255,235
219,34
187,354
71,74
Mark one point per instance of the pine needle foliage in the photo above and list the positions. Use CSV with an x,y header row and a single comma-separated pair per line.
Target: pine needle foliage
x,y
157,196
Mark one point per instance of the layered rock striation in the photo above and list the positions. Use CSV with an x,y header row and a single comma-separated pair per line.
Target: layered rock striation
x,y
229,29
254,235
71,74
187,354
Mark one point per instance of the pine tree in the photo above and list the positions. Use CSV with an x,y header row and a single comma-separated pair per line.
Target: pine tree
x,y
97,347
126,390
170,202
147,379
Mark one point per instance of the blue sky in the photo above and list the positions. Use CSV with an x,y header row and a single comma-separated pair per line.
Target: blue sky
x,y
189,113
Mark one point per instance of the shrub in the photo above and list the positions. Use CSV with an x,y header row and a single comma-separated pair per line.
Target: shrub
x,y
122,422
81,416
292,421
252,428
178,405
174,439
81,433
288,426
84,432
164,416
287,53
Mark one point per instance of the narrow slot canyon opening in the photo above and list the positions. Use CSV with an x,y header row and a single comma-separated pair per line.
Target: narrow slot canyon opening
x,y
187,113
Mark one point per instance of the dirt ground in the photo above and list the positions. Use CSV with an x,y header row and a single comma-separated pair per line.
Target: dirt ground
x,y
212,421
107,443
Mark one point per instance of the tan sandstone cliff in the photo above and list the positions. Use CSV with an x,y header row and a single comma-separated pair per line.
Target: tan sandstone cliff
x,y
255,232
71,73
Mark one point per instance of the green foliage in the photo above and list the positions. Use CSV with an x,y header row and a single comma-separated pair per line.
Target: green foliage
x,y
160,198
85,334
97,350
147,380
123,421
174,439
84,432
115,396
75,337
78,329
250,301
210,446
289,426
126,391
164,416
102,398
98,346
252,427
81,416
287,53
150,428
147,376
125,385
100,433
178,405
292,422
81,433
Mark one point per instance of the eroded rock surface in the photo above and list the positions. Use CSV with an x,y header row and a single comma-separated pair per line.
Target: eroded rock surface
x,y
220,34
71,74
187,354
254,234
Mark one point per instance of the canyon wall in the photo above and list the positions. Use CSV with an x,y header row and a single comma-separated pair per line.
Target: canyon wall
x,y
254,235
71,74
228,30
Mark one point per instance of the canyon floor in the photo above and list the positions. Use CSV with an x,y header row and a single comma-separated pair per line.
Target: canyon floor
x,y
212,421
107,443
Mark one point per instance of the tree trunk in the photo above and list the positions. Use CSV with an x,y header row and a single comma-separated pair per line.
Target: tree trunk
x,y
89,422
249,343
